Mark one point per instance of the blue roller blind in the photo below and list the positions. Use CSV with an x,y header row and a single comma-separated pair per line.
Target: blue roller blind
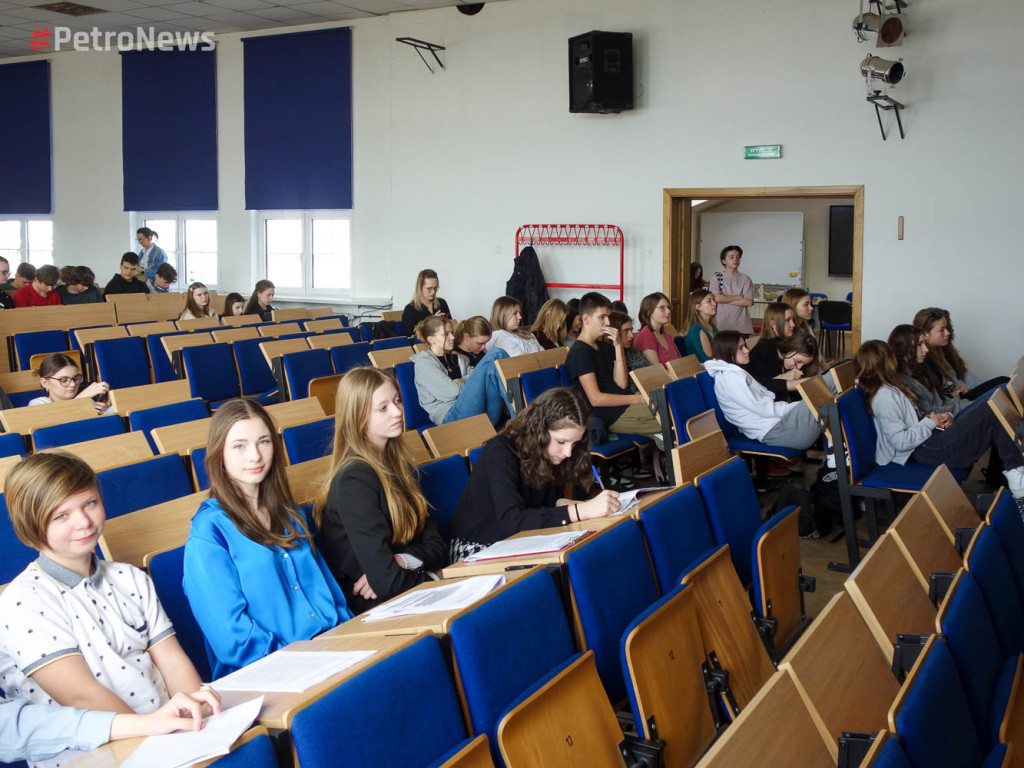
x,y
169,130
298,120
26,183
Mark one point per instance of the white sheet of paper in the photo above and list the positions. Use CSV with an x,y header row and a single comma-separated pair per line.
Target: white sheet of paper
x,y
452,596
187,747
629,499
527,545
289,671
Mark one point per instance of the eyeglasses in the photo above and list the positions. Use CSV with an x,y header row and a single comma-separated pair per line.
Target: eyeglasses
x,y
66,381
663,307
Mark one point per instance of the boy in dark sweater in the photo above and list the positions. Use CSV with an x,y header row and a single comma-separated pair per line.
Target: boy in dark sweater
x,y
126,282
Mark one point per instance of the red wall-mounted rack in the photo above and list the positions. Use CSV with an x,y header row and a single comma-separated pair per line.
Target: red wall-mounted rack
x,y
575,234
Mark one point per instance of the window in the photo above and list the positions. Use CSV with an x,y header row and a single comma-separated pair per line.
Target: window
x,y
307,253
190,240
28,239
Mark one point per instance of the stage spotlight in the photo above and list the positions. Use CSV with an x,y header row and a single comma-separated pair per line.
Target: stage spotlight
x,y
888,28
884,70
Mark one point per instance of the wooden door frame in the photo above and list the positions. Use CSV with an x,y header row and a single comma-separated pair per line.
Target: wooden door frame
x,y
677,249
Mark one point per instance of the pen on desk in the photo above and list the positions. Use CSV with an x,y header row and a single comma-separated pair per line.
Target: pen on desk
x,y
597,476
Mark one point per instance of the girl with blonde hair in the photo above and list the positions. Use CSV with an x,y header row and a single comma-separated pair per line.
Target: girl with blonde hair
x,y
471,337
379,539
252,576
549,328
507,332
803,308
424,302
700,327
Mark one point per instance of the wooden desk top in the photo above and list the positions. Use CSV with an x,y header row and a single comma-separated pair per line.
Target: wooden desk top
x,y
435,622
278,708
30,417
596,526
108,452
306,479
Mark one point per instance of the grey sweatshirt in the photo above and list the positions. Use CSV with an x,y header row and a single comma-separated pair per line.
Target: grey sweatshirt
x,y
437,393
899,429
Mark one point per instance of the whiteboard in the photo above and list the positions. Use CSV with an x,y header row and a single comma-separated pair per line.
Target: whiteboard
x,y
772,243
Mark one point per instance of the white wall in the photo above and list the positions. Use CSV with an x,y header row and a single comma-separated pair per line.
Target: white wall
x,y
448,165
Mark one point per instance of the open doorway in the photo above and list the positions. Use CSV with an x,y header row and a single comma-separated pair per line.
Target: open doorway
x,y
678,245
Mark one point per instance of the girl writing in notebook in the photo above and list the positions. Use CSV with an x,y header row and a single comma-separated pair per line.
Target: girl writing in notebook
x,y
519,480
79,631
379,539
253,579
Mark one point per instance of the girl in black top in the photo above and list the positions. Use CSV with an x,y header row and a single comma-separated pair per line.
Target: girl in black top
x,y
425,302
378,538
519,479
259,302
779,364
471,337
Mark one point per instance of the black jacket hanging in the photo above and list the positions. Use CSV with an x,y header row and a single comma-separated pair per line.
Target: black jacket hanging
x,y
527,284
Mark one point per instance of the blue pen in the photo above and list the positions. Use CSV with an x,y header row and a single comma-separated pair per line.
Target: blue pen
x,y
597,476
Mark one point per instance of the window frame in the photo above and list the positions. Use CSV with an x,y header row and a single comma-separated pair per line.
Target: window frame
x,y
306,291
26,244
180,256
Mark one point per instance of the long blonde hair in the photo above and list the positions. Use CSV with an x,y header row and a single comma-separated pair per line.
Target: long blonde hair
x,y
407,506
551,321
693,315
417,296
502,309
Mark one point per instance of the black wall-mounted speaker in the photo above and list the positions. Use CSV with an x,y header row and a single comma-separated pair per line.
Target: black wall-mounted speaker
x,y
601,72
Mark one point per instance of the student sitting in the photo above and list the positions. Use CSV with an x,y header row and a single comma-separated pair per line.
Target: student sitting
x,y
803,309
779,364
163,278
573,321
519,480
126,282
197,304
62,380
751,407
779,322
24,275
234,305
634,358
6,300
79,631
549,328
944,358
378,537
506,333
652,341
904,433
254,581
80,288
425,302
910,349
260,301
700,325
445,390
40,292
471,337
596,364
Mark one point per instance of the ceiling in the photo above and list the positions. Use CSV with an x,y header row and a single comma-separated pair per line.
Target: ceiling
x,y
19,19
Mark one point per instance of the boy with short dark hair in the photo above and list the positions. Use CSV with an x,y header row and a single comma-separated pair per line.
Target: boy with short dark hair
x,y
596,363
24,275
80,287
125,282
39,293
163,278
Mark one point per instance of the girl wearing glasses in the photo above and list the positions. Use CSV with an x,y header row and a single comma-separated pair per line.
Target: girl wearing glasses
x,y
61,379
656,345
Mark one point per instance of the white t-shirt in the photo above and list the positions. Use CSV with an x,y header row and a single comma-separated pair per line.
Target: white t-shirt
x,y
110,619
513,344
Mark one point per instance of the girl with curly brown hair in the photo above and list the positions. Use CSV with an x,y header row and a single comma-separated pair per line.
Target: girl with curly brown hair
x,y
519,479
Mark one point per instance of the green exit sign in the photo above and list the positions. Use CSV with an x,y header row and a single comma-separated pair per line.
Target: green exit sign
x,y
762,152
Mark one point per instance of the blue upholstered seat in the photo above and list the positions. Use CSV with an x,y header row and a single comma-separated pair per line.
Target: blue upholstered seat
x,y
258,752
148,419
685,400
350,356
395,342
733,510
167,570
123,362
255,376
14,556
77,431
211,372
163,369
986,560
144,483
37,342
612,583
405,708
302,367
415,416
305,442
442,482
677,532
12,444
505,645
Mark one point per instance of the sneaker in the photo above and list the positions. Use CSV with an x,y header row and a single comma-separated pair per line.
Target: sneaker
x,y
815,534
641,473
1015,481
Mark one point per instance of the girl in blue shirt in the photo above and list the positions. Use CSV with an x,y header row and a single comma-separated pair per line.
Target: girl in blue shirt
x,y
253,579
